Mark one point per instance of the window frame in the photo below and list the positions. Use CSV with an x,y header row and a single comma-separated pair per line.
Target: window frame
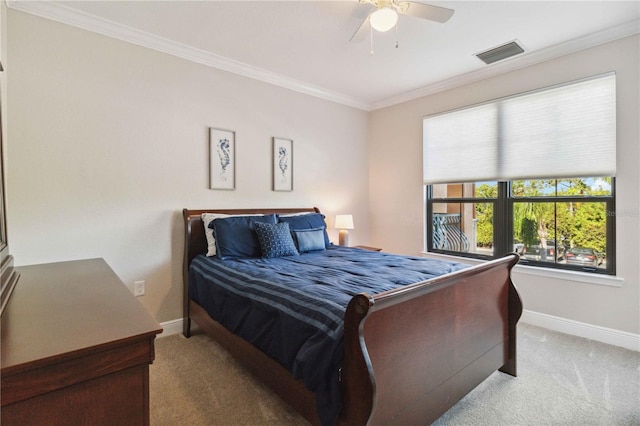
x,y
503,225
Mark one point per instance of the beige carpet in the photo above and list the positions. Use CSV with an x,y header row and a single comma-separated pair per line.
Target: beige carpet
x,y
196,382
562,380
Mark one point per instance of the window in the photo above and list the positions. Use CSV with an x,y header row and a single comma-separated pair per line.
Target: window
x,y
558,223
509,175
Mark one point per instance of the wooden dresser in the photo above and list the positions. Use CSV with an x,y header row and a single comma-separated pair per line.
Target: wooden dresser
x,y
76,348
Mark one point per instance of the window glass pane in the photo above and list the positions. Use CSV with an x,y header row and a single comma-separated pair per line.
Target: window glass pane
x,y
561,232
583,226
534,228
463,227
576,187
533,188
466,190
592,186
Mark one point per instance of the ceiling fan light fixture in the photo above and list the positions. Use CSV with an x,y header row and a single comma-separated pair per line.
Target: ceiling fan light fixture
x,y
384,19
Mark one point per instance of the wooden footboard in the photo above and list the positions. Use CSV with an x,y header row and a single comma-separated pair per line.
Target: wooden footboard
x,y
413,353
409,354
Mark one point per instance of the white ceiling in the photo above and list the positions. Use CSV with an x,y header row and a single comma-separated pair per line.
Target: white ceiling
x,y
304,45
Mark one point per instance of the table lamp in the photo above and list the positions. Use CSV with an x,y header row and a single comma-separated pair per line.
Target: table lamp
x,y
344,222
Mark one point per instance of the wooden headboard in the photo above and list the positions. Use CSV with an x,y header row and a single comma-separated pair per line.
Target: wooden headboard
x,y
195,242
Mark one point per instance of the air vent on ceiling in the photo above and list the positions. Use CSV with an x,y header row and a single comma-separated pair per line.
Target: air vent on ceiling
x,y
501,52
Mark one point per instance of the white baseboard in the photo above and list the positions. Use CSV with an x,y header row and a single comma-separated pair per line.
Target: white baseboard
x,y
600,334
171,327
581,329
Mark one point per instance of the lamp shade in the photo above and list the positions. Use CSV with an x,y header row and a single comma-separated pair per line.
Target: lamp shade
x,y
344,221
383,19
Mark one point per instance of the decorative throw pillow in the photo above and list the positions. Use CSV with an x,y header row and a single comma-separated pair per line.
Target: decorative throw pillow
x,y
236,237
275,240
307,221
309,239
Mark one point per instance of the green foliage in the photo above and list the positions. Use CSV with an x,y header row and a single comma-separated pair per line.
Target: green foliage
x,y
485,190
583,225
484,224
572,224
528,231
484,214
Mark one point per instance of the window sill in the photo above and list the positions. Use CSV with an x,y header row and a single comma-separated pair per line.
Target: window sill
x,y
558,274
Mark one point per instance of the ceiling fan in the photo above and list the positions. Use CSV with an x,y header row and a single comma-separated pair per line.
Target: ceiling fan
x,y
386,14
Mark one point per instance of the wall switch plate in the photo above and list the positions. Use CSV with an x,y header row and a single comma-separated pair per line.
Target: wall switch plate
x,y
138,288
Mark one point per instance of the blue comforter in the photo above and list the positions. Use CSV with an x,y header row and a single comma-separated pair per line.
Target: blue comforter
x,y
292,308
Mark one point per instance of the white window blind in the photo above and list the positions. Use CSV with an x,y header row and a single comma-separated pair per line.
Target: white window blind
x,y
564,131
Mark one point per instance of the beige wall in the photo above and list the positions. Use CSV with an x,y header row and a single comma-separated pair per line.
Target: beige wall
x,y
108,141
396,192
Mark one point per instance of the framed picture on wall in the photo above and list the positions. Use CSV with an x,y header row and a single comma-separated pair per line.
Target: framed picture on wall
x,y
282,164
222,159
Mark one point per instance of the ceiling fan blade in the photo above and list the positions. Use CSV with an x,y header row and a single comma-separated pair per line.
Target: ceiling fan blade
x,y
361,31
427,11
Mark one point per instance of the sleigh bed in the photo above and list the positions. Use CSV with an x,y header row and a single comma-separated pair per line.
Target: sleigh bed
x,y
406,354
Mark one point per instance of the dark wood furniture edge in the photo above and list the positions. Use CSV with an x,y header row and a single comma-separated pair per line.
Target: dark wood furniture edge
x,y
8,275
357,380
85,352
515,312
27,382
8,278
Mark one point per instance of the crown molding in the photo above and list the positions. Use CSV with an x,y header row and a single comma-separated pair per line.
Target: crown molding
x,y
75,18
515,63
69,16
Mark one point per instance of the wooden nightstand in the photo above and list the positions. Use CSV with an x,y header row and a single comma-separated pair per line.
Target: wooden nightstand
x,y
369,248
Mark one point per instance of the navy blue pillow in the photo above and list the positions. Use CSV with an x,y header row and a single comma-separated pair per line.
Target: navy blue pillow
x,y
309,239
236,236
275,240
307,221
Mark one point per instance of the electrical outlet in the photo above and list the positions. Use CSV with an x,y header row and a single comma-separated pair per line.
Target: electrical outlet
x,y
138,288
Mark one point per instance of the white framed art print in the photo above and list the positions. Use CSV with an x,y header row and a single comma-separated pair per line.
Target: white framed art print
x,y
222,159
282,164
